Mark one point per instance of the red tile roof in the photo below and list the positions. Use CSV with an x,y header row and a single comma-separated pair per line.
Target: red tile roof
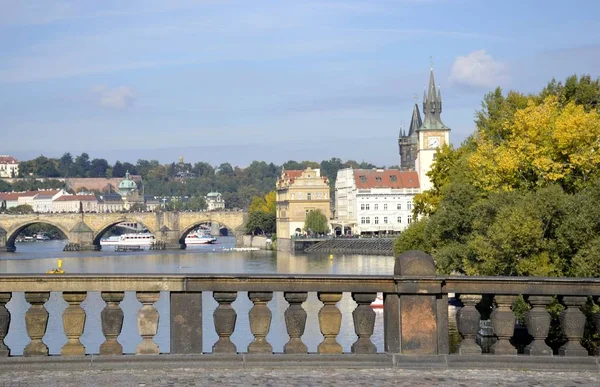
x,y
67,198
386,178
4,159
17,195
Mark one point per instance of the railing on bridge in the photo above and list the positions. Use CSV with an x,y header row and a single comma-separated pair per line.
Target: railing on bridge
x,y
415,320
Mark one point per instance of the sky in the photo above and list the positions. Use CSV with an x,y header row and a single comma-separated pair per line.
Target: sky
x,y
268,80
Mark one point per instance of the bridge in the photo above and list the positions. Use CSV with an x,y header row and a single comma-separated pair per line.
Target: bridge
x,y
86,229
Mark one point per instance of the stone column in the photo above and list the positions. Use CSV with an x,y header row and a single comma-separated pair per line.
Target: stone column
x,y
36,320
260,322
467,321
503,321
224,317
364,322
597,320
538,325
112,322
295,322
186,322
572,323
73,323
330,321
147,321
4,323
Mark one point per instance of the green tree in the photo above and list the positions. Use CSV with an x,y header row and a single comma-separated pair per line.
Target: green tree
x,y
316,222
20,209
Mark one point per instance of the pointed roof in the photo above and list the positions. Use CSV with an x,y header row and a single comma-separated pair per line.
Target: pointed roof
x,y
432,107
415,121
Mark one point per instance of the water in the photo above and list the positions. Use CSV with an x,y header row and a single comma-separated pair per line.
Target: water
x,y
38,257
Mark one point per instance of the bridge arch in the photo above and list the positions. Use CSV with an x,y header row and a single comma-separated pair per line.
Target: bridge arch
x,y
189,228
13,233
108,225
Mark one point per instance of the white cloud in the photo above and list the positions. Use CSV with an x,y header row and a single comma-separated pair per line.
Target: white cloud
x,y
118,98
479,69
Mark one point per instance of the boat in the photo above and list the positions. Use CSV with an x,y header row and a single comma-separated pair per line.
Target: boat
x,y
140,240
42,237
199,238
378,303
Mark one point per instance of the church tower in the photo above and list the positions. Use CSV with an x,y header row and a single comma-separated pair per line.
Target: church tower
x,y
432,134
407,142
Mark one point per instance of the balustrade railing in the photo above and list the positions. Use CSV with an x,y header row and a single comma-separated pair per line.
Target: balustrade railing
x,y
415,317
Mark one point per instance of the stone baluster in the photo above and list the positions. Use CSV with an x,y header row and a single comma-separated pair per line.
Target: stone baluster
x,y
224,318
503,322
295,322
364,323
572,324
73,323
538,324
4,322
467,321
147,321
36,320
330,321
260,322
597,321
112,322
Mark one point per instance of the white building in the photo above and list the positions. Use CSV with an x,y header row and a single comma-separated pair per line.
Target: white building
x,y
214,201
9,166
75,203
377,201
42,201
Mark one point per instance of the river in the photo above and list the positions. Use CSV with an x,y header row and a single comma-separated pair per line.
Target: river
x,y
38,257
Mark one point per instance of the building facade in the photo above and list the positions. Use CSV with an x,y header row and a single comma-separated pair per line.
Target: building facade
x,y
9,166
214,201
298,193
76,203
377,201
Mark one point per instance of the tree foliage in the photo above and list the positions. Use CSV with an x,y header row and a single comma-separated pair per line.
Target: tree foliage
x,y
316,222
262,217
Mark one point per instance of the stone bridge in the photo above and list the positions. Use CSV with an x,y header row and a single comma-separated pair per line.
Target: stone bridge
x,y
86,229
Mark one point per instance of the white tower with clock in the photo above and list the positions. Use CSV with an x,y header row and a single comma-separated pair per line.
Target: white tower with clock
x,y
432,134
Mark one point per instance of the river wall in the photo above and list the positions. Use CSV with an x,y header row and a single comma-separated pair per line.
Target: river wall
x,y
259,241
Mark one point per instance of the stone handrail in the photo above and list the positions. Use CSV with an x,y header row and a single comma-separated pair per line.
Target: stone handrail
x,y
415,320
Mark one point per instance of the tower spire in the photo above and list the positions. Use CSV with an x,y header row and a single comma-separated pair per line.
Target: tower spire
x,y
432,104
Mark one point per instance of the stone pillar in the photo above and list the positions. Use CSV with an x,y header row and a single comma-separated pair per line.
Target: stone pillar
x,y
147,321
597,320
112,322
186,322
3,239
503,321
260,322
538,324
36,320
364,322
330,321
467,321
83,235
4,323
572,323
73,323
391,322
224,317
295,322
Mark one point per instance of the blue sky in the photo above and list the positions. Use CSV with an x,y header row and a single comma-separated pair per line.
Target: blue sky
x,y
267,80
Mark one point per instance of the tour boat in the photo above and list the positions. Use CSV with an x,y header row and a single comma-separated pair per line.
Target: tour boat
x,y
42,237
199,238
378,303
129,240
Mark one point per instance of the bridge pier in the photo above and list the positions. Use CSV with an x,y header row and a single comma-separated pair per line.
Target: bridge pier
x,y
83,235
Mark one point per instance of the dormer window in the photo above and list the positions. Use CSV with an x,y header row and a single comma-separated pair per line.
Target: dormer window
x,y
362,178
378,178
393,178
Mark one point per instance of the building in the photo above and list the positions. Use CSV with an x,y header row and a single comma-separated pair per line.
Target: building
x,y
76,203
418,146
214,201
377,201
9,166
297,193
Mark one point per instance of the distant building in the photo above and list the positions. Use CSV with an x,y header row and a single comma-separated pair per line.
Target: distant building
x,y
97,184
299,192
76,203
214,201
377,201
9,166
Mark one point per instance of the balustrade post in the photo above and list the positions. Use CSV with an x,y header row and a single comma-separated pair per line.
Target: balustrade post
x,y
36,320
597,321
467,321
330,321
4,322
364,322
112,322
572,324
295,322
147,321
224,318
186,322
503,322
73,323
538,324
260,322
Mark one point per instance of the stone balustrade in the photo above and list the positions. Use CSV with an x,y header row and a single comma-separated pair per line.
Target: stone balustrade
x,y
415,320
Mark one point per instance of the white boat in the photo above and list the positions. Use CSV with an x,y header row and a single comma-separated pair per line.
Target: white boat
x,y
141,240
199,238
42,237
378,303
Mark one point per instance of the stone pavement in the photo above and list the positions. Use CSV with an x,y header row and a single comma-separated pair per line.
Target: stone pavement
x,y
296,377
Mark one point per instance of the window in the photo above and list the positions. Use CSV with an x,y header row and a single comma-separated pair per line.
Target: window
x,y
385,206
409,219
378,178
399,219
363,220
309,196
362,178
409,206
367,206
376,220
362,206
393,178
376,206
385,220
368,220
399,206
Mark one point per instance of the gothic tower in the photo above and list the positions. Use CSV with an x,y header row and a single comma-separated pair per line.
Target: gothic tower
x,y
407,142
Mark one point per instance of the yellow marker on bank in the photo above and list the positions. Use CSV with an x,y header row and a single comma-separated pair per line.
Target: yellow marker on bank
x,y
58,270
330,256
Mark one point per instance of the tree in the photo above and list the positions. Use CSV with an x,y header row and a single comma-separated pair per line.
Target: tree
x,y
65,165
316,222
20,209
98,168
82,165
118,170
